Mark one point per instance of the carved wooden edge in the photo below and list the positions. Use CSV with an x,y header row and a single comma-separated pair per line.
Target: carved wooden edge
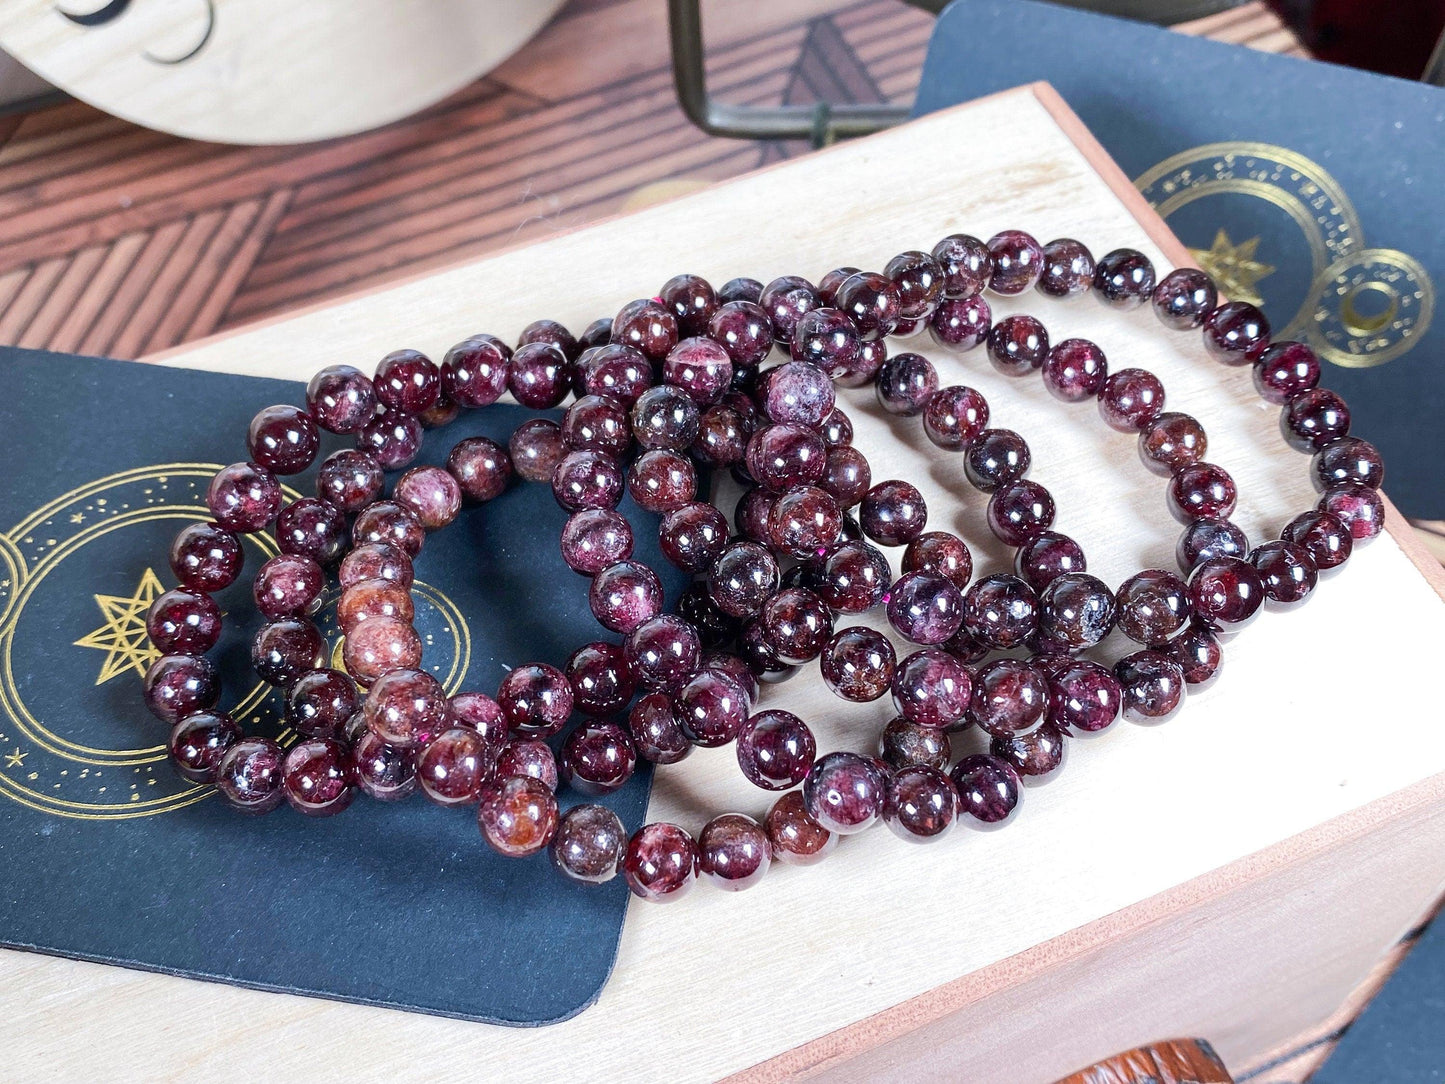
x,y
841,1045
1174,1061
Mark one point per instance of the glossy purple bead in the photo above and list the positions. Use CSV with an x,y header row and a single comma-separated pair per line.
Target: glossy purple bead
x,y
893,513
855,577
660,863
1084,697
647,326
925,607
1154,606
1035,755
179,685
382,771
931,688
1236,333
587,479
921,804
452,767
1226,592
597,758
182,622
858,664
656,732
320,703
482,468
1172,441
1201,491
1347,461
967,265
796,624
961,323
1068,269
615,370
1020,511
1285,370
341,399
1124,279
996,458
311,528
1046,557
1152,684
1000,611
597,423
845,793
733,852
474,372
1130,399
1183,298
1198,654
871,301
1076,611
954,417
1018,261
600,679
1204,539
1018,345
775,750
663,653
941,552
691,300
780,457
799,393
692,536
906,384
283,439
517,815
595,539
1287,571
386,521
1074,370
199,741
407,381
1009,696
988,790
528,757
624,595
918,278
249,776
536,699
392,438
1322,535
205,557
665,417
349,480
711,708
722,437
700,367
785,300
743,577
244,497
744,330
740,289
286,648
589,844
1359,508
1314,418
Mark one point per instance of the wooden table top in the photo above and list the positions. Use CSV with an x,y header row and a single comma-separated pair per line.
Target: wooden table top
x,y
118,241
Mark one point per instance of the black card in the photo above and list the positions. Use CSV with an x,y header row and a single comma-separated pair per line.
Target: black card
x,y
108,855
1310,188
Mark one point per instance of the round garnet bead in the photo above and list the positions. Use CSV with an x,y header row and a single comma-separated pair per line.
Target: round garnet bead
x,y
1285,370
660,863
906,384
1172,441
1183,298
382,771
1152,685
321,702
341,399
931,688
1153,606
1076,611
1323,536
893,513
858,664
1312,419
988,789
1018,261
349,480
1226,592
536,699
517,815
925,607
954,417
1347,461
796,838
244,497
1287,571
249,776
903,744
922,804
1074,370
316,777
1236,333
845,792
474,372
1046,557
1359,508
1130,399
1000,611
1203,539
283,439
199,741
1084,697
663,652
597,758
182,622
406,708
286,648
733,852
967,265
1068,269
589,844
1201,491
206,557
1124,279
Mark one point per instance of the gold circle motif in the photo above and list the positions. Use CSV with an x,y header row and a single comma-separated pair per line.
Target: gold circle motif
x,y
39,766
1344,274
1344,334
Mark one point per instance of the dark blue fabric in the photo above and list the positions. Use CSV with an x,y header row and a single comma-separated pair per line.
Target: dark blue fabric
x,y
1150,95
400,905
1400,1037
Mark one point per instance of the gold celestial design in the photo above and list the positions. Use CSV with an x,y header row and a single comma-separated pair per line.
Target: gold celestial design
x,y
123,636
1234,267
15,759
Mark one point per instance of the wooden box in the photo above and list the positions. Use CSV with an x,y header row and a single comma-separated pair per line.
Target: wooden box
x,y
1233,874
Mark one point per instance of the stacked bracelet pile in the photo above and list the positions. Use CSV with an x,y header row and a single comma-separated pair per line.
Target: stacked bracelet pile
x,y
679,381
